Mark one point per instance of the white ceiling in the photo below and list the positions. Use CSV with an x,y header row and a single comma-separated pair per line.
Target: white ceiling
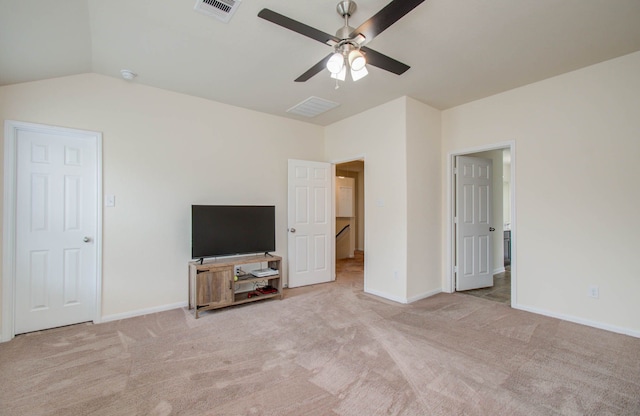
x,y
458,50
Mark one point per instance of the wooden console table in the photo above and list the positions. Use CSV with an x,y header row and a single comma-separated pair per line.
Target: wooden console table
x,y
212,284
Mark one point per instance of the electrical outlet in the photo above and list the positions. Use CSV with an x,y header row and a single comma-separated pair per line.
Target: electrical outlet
x,y
594,292
236,270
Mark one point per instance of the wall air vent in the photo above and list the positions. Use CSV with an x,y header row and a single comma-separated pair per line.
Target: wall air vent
x,y
220,9
312,107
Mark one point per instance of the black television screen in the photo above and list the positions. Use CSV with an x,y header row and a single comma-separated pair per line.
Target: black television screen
x,y
224,230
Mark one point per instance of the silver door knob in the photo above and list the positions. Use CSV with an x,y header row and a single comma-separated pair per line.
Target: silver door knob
x,y
293,230
86,239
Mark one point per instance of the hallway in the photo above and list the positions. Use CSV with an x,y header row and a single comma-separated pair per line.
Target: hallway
x,y
351,270
501,290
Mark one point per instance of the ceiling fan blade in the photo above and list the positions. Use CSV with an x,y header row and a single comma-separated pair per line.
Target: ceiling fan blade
x,y
298,27
383,61
387,16
316,69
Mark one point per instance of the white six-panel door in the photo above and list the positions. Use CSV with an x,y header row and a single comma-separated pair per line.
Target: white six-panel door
x,y
473,227
310,223
55,229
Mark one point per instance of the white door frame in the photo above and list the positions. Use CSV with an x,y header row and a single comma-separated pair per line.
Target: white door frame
x,y
336,162
9,217
450,285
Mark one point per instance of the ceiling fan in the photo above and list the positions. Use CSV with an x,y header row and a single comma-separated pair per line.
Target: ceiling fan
x,y
348,43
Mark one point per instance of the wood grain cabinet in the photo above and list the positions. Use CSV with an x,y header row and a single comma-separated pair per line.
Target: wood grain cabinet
x,y
215,287
212,284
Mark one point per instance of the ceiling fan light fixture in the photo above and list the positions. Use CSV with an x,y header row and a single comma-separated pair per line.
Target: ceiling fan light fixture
x,y
335,64
356,75
340,76
356,60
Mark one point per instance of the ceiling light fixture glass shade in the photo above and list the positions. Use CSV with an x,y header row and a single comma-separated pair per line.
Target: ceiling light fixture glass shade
x,y
356,75
335,64
342,75
356,60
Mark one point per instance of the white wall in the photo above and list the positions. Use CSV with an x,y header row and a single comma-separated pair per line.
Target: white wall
x,y
380,135
163,152
424,185
577,167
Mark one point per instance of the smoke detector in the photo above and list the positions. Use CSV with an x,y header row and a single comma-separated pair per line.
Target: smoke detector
x,y
220,9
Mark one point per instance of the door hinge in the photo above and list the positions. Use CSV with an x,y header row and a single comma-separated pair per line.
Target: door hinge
x,y
455,171
455,269
455,220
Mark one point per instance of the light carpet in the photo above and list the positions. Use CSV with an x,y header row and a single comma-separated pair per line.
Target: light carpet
x,y
329,349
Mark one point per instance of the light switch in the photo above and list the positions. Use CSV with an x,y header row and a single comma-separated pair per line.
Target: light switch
x,y
110,200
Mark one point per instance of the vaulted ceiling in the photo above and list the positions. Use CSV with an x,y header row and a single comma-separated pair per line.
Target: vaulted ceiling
x,y
458,50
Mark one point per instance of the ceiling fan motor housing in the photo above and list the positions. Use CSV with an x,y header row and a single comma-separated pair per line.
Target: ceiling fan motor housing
x,y
346,8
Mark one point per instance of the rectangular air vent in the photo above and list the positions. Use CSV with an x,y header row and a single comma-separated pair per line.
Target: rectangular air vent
x,y
220,9
312,107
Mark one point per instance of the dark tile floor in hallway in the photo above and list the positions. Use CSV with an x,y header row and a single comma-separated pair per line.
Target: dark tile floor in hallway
x,y
501,290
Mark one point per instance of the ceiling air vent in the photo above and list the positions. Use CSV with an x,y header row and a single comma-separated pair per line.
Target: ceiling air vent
x,y
312,107
220,9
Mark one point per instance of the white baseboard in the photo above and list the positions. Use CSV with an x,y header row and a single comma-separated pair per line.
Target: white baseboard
x,y
499,270
574,319
403,300
140,312
386,296
424,295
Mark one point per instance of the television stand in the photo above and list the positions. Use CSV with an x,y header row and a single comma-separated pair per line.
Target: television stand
x,y
212,284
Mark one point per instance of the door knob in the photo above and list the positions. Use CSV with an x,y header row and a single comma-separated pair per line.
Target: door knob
x,y
491,229
293,230
86,239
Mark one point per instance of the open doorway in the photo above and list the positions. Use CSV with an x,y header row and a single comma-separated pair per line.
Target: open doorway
x,y
349,233
501,224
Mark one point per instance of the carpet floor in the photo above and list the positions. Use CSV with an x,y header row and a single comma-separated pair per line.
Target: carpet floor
x,y
329,349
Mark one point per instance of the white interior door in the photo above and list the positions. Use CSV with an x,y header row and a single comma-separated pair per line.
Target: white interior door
x,y
56,224
473,223
310,223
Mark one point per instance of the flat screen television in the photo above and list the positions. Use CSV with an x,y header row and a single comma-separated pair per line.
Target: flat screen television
x,y
225,230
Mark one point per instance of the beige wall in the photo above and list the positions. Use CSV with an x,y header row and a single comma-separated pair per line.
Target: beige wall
x,y
577,153
400,141
424,184
379,135
163,152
